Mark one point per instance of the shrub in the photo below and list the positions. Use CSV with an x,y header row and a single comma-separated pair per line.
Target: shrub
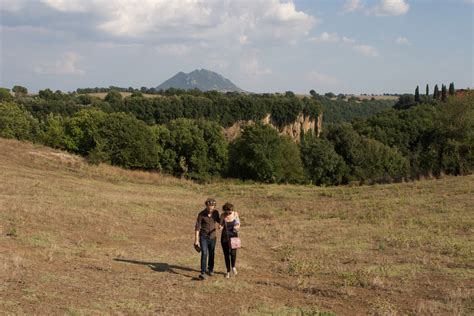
x,y
17,123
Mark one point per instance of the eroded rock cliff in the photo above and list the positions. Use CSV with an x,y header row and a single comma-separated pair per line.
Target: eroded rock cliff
x,y
302,123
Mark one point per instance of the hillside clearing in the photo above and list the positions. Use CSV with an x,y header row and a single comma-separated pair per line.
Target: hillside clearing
x,y
87,240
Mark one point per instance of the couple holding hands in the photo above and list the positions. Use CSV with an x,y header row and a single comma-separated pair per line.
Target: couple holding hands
x,y
208,222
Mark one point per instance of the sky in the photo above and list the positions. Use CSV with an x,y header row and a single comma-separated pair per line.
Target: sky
x,y
340,46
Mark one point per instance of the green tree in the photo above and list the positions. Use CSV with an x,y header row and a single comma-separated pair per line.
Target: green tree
x,y
168,158
113,97
405,101
436,93
84,129
368,160
217,147
46,94
322,164
427,93
128,142
444,93
452,91
449,146
17,123
54,134
257,154
20,91
5,95
293,171
417,95
186,139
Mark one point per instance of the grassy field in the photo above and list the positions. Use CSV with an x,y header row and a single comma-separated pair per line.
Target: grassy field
x,y
90,240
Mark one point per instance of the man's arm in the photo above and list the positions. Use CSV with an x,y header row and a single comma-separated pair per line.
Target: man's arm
x,y
197,228
196,237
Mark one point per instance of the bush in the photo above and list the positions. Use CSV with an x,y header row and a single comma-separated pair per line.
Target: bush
x,y
84,129
367,159
5,95
186,140
257,154
128,142
17,123
55,135
322,164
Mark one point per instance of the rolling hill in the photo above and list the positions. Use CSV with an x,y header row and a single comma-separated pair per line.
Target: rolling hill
x,y
80,239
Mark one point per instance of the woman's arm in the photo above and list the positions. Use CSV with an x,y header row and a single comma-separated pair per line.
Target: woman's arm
x,y
237,221
221,222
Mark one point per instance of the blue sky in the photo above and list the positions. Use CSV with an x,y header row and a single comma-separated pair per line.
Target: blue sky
x,y
343,46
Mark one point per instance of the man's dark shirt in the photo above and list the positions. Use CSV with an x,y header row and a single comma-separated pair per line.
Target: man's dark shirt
x,y
206,225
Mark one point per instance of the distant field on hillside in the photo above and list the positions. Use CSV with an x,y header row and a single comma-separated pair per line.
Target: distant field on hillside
x,y
377,97
80,239
124,94
361,97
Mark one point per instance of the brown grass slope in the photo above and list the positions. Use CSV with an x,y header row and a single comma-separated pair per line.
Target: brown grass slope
x,y
88,240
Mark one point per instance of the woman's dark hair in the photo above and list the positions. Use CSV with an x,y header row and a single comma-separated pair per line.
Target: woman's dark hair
x,y
227,208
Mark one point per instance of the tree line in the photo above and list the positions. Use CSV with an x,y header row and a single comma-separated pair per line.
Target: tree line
x,y
182,135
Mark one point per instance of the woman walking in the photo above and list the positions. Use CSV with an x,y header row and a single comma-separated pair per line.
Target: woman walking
x,y
230,225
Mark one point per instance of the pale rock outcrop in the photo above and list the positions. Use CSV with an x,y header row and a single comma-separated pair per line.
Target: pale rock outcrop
x,y
293,130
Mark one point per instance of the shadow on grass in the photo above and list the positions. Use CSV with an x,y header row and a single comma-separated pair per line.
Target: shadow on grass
x,y
163,267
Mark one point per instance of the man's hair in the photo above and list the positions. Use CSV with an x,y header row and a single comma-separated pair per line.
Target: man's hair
x,y
210,201
228,207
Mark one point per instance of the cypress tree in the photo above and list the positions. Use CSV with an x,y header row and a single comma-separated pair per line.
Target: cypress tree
x,y
444,94
417,94
436,93
451,89
427,91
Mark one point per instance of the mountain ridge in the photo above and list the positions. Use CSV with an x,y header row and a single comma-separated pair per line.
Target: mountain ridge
x,y
203,79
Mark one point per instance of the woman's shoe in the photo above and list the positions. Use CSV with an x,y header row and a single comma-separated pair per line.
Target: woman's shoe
x,y
227,275
234,271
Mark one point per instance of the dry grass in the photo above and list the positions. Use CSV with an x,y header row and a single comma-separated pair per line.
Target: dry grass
x,y
87,240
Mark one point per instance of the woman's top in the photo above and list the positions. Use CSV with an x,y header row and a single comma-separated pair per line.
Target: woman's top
x,y
229,230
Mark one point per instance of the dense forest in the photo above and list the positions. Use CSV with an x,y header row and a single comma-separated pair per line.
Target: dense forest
x,y
180,132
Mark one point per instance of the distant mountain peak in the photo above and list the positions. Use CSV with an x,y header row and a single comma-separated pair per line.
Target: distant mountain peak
x,y
201,79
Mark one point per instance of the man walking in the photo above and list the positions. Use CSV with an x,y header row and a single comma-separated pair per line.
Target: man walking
x,y
205,236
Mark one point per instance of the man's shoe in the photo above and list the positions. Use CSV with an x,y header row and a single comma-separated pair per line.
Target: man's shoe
x,y
210,273
202,276
227,275
234,271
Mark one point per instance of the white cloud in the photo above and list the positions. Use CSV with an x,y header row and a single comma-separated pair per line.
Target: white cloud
x,y
469,1
215,62
402,40
250,65
243,39
212,20
66,65
352,5
366,50
174,49
12,5
69,5
390,7
326,37
347,40
322,80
